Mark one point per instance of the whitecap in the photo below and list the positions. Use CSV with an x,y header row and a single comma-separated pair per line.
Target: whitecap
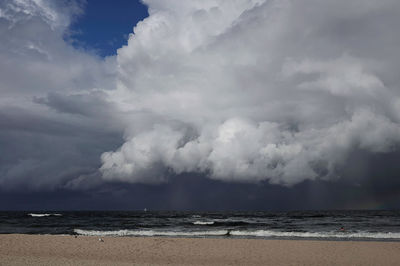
x,y
332,234
203,222
149,233
44,214
244,233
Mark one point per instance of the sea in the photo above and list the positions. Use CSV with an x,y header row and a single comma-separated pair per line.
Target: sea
x,y
317,225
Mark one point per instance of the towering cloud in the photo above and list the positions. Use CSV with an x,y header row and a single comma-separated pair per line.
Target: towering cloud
x,y
277,91
246,90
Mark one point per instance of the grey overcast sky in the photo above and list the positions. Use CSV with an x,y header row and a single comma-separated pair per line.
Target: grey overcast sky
x,y
203,104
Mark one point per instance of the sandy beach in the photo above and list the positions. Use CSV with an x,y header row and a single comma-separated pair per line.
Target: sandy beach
x,y
83,250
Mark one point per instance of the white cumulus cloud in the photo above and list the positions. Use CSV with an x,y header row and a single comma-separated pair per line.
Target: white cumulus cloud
x,y
249,91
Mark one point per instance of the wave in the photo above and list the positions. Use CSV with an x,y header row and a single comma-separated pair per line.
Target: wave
x,y
332,234
43,214
229,222
203,222
243,233
149,233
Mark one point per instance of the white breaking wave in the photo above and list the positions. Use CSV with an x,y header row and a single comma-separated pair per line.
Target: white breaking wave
x,y
268,233
149,233
44,214
203,222
242,233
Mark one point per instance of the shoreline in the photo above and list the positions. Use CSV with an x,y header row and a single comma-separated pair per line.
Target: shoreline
x,y
231,237
24,249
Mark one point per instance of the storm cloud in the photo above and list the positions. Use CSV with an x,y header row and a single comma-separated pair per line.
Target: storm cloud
x,y
52,104
250,91
245,91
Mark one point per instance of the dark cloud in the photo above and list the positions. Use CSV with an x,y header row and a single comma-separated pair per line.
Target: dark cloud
x,y
54,119
46,153
91,105
375,190
210,105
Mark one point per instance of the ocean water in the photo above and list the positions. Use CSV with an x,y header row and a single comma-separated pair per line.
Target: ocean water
x,y
326,225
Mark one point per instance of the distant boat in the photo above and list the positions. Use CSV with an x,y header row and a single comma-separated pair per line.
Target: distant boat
x,y
145,210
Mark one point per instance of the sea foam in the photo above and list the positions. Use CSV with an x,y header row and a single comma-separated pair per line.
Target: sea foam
x,y
150,233
203,222
331,234
243,233
44,214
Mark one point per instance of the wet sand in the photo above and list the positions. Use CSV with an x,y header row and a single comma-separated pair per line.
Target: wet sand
x,y
83,250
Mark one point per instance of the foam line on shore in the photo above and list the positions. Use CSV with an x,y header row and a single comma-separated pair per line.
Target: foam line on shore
x,y
149,233
332,234
243,233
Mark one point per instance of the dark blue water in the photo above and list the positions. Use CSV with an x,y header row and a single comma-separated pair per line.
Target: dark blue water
x,y
357,225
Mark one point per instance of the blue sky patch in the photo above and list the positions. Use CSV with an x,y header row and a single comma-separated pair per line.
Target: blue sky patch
x,y
105,25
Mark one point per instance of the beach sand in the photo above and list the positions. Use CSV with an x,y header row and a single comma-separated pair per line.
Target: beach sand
x,y
84,250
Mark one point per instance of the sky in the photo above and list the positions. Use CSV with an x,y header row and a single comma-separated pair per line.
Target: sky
x,y
199,105
104,26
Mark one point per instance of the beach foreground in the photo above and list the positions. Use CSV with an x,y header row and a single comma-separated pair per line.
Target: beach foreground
x,y
83,250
